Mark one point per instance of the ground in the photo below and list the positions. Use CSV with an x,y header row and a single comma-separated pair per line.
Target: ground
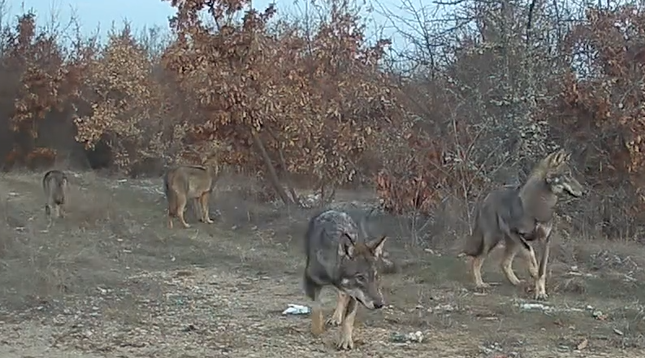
x,y
111,280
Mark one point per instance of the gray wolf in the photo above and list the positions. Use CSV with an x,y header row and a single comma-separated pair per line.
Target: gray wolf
x,y
55,185
336,255
519,215
189,182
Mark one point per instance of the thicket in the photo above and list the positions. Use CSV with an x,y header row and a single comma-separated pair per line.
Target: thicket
x,y
483,90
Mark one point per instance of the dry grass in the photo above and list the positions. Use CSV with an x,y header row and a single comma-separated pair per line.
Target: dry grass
x,y
111,280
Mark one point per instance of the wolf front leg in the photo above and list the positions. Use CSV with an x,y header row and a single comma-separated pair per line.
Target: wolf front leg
x,y
61,212
203,200
543,233
510,251
341,303
346,340
540,282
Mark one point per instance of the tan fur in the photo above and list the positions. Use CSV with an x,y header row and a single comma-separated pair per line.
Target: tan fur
x,y
55,184
189,182
521,215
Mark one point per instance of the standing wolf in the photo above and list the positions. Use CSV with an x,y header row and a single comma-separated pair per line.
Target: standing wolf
x,y
337,257
520,215
189,182
55,185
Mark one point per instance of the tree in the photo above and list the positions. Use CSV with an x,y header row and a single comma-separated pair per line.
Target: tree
x,y
272,97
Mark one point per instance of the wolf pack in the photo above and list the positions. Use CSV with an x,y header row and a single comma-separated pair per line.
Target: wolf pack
x,y
340,254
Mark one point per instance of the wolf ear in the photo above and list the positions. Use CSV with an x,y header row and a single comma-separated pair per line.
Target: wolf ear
x,y
376,246
346,246
559,158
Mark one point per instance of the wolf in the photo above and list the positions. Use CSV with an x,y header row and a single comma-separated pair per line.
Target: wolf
x,y
55,185
519,215
336,256
189,182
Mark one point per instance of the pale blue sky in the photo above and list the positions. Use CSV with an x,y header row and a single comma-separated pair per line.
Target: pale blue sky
x,y
94,13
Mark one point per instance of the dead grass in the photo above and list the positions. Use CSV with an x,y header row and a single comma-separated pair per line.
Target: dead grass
x,y
111,276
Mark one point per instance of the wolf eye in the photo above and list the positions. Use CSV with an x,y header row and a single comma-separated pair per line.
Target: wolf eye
x,y
360,278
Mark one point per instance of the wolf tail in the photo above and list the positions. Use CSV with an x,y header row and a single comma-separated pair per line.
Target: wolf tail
x,y
311,230
474,246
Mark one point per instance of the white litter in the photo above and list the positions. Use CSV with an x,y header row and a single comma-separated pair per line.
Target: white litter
x,y
296,310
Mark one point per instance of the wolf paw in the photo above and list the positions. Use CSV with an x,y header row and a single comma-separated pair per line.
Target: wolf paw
x,y
334,321
541,296
208,221
483,285
345,343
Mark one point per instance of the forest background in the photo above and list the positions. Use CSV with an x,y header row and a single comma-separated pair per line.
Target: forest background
x,y
482,91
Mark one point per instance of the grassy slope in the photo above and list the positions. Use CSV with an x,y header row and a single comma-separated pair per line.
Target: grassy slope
x,y
112,280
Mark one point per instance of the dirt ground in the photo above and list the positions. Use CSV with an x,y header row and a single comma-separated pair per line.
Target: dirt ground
x,y
111,280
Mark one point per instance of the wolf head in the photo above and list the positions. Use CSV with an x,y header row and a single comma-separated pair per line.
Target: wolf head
x,y
57,187
558,176
358,270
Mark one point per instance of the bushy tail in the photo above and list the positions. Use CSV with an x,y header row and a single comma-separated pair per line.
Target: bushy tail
x,y
311,229
474,246
46,180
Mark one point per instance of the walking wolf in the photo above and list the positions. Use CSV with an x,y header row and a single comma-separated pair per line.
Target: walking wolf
x,y
189,182
55,184
519,215
336,256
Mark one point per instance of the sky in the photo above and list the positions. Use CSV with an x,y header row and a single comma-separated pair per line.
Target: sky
x,y
93,14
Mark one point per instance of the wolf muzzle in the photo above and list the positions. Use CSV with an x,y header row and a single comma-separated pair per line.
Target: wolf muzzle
x,y
373,301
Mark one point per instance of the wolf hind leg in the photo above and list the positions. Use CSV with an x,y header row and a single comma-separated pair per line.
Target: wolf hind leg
x,y
487,243
312,290
181,208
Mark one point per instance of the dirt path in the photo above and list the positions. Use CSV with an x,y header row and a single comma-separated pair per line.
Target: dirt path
x,y
112,281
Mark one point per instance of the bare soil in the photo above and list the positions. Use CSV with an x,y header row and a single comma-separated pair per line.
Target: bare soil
x,y
111,280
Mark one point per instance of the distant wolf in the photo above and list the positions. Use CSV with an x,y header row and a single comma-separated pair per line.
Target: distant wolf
x,y
189,182
55,185
519,215
337,256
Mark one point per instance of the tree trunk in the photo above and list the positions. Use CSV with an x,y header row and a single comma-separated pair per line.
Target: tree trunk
x,y
273,176
283,164
292,191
